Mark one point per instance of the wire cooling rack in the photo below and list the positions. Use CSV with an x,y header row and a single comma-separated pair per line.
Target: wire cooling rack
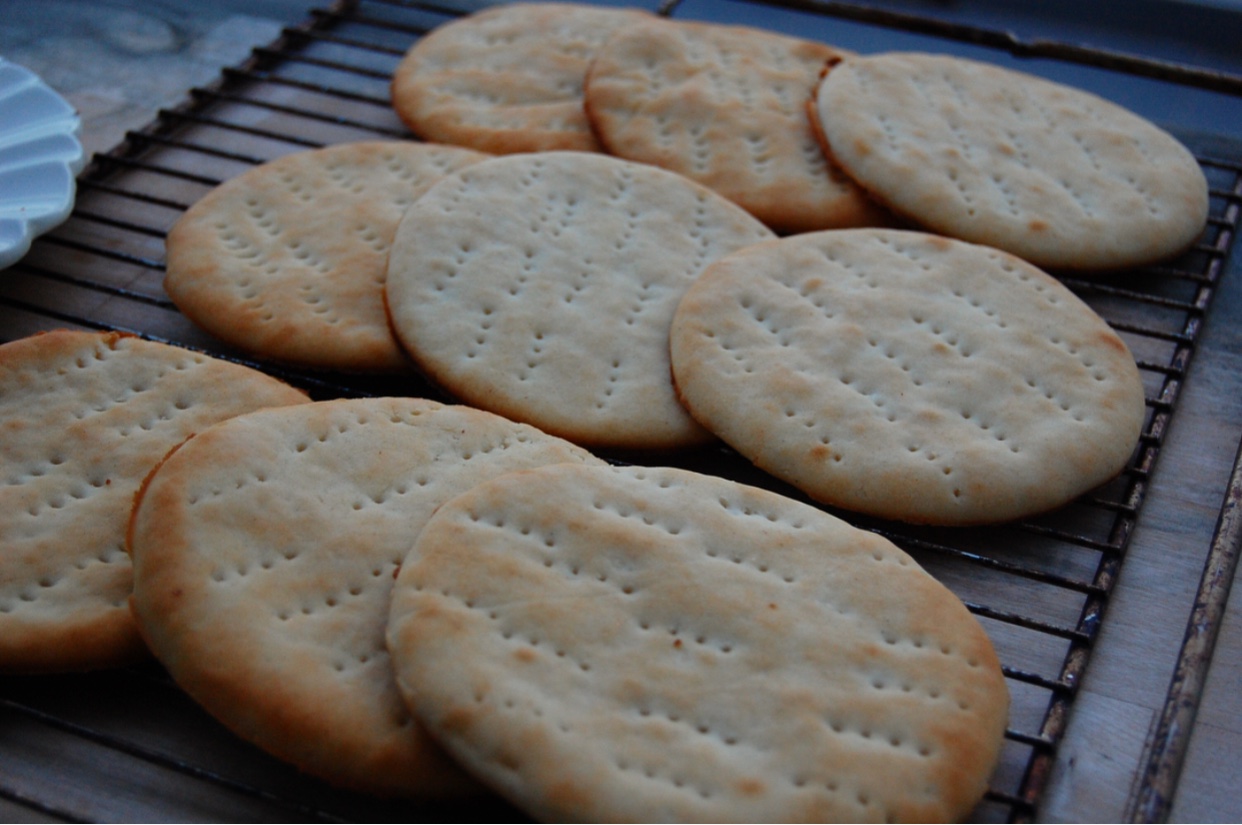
x,y
110,745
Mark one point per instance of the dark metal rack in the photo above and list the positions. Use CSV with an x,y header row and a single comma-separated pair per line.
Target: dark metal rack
x,y
326,81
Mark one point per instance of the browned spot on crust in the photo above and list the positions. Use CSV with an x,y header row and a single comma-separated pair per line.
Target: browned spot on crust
x,y
750,787
457,719
1111,341
832,63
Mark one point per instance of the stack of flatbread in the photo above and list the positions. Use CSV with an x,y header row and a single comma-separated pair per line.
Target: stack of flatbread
x,y
84,417
808,136
617,234
900,349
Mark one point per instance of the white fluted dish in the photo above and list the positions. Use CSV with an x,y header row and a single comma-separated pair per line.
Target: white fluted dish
x,y
40,155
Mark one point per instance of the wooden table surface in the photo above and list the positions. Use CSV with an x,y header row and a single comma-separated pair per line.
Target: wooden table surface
x,y
118,62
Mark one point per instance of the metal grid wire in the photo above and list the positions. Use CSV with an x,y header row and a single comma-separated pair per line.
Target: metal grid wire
x,y
1040,587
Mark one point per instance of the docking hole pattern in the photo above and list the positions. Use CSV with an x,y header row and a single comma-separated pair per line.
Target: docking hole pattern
x,y
938,320
762,87
543,61
284,253
1054,174
608,578
301,601
122,403
603,299
997,193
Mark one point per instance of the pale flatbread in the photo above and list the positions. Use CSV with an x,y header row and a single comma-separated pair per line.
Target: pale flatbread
x,y
907,375
83,419
286,261
264,553
1055,175
541,286
725,106
653,645
506,79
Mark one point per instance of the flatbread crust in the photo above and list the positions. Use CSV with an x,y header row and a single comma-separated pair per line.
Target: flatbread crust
x,y
264,553
1056,175
726,106
83,418
907,375
506,79
540,286
286,261
650,645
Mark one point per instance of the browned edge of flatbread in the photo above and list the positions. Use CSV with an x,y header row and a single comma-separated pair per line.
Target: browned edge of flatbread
x,y
413,101
90,633
1095,265
284,262
896,220
789,201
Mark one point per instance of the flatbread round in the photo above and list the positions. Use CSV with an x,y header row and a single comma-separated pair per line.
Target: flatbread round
x,y
654,645
907,375
506,79
1055,175
286,261
725,106
264,554
83,419
540,286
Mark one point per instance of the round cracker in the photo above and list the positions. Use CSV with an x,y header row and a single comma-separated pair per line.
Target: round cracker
x,y
907,375
541,286
651,645
286,261
1056,175
264,554
506,79
83,419
725,106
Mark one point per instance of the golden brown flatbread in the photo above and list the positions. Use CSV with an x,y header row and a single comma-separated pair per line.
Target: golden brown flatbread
x,y
84,417
649,644
907,375
540,286
286,261
264,554
1055,175
726,106
506,79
